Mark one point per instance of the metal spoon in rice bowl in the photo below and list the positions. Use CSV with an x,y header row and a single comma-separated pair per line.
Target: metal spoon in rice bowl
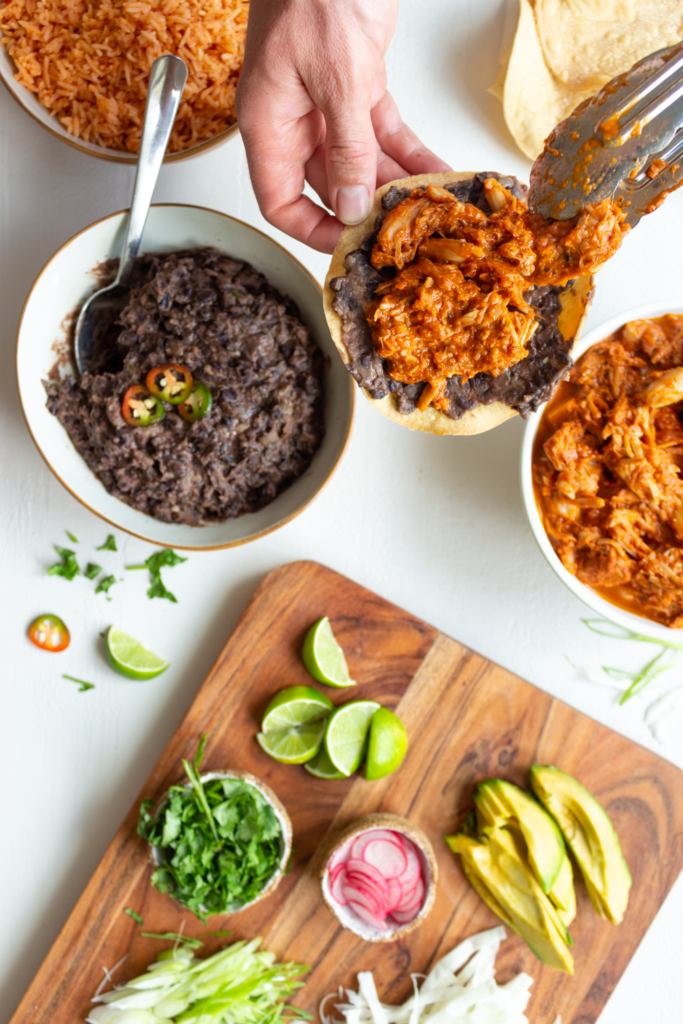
x,y
166,83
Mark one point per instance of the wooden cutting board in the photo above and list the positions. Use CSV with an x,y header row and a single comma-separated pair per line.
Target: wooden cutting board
x,y
467,719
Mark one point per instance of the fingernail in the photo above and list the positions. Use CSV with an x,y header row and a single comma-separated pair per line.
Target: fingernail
x,y
353,204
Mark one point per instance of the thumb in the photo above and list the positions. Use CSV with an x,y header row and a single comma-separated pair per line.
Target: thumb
x,y
351,161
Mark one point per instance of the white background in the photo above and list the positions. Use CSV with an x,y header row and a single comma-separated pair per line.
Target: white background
x,y
436,525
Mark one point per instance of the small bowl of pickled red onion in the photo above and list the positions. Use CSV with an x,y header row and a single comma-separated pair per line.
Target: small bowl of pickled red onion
x,y
379,877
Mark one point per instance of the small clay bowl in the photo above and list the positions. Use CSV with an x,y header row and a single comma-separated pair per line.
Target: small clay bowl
x,y
430,874
158,856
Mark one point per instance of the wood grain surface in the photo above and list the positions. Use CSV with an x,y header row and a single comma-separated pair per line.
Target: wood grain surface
x,y
467,719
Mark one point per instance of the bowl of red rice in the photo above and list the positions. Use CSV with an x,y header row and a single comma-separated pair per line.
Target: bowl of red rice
x,y
81,69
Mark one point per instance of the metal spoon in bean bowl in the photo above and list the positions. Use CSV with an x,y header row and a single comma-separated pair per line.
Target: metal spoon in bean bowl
x,y
166,83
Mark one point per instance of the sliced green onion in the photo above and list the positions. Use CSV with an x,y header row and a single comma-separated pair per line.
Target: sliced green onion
x,y
241,984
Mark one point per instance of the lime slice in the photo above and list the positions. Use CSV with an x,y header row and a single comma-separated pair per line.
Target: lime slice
x,y
294,723
322,767
387,744
295,706
323,657
294,745
347,731
130,658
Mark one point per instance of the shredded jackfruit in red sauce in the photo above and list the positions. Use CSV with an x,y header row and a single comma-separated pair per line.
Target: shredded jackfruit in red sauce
x,y
456,306
607,469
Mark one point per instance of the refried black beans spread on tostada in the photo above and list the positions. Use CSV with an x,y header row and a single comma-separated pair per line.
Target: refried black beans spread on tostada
x,y
260,378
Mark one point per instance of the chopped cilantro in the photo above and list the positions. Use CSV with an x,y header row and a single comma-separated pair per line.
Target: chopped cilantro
x,y
91,571
166,558
104,585
82,683
186,940
221,839
109,544
68,567
74,540
134,915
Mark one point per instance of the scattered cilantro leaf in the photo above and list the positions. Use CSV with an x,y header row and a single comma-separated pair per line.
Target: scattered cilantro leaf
x,y
82,683
68,567
109,544
104,585
221,842
74,540
158,589
134,915
185,940
166,558
91,571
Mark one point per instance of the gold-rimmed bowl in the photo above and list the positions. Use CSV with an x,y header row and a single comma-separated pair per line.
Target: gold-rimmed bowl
x,y
285,845
30,103
64,284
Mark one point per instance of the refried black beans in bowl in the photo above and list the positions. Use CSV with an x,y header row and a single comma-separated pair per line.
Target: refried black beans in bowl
x,y
212,410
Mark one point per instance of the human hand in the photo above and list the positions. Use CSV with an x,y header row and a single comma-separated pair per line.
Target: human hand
x,y
312,106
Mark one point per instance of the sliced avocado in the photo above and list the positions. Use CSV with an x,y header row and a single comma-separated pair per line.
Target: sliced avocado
x,y
485,894
518,838
509,888
500,803
590,836
562,894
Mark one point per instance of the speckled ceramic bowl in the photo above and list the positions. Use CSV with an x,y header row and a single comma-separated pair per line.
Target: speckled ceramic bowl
x,y
28,101
158,856
430,874
606,609
67,280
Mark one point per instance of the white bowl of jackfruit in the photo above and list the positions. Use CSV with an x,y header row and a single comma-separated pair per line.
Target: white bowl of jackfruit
x,y
605,609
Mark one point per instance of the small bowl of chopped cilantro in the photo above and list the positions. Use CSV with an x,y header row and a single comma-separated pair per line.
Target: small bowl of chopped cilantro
x,y
220,841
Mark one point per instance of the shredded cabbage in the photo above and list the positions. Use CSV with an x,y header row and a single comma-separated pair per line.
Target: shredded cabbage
x,y
459,989
240,984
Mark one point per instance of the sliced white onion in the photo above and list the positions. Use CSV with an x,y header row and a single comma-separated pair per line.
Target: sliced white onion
x,y
366,985
460,989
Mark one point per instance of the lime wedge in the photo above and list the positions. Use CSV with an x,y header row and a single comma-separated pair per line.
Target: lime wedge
x,y
128,657
322,767
294,745
323,657
294,723
295,706
347,731
387,744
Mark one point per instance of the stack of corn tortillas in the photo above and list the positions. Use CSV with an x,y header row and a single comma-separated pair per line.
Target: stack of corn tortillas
x,y
565,50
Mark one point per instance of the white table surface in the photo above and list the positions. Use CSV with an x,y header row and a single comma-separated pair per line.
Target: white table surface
x,y
434,524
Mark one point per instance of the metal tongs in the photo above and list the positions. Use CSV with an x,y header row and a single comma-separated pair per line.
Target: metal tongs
x,y
624,144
